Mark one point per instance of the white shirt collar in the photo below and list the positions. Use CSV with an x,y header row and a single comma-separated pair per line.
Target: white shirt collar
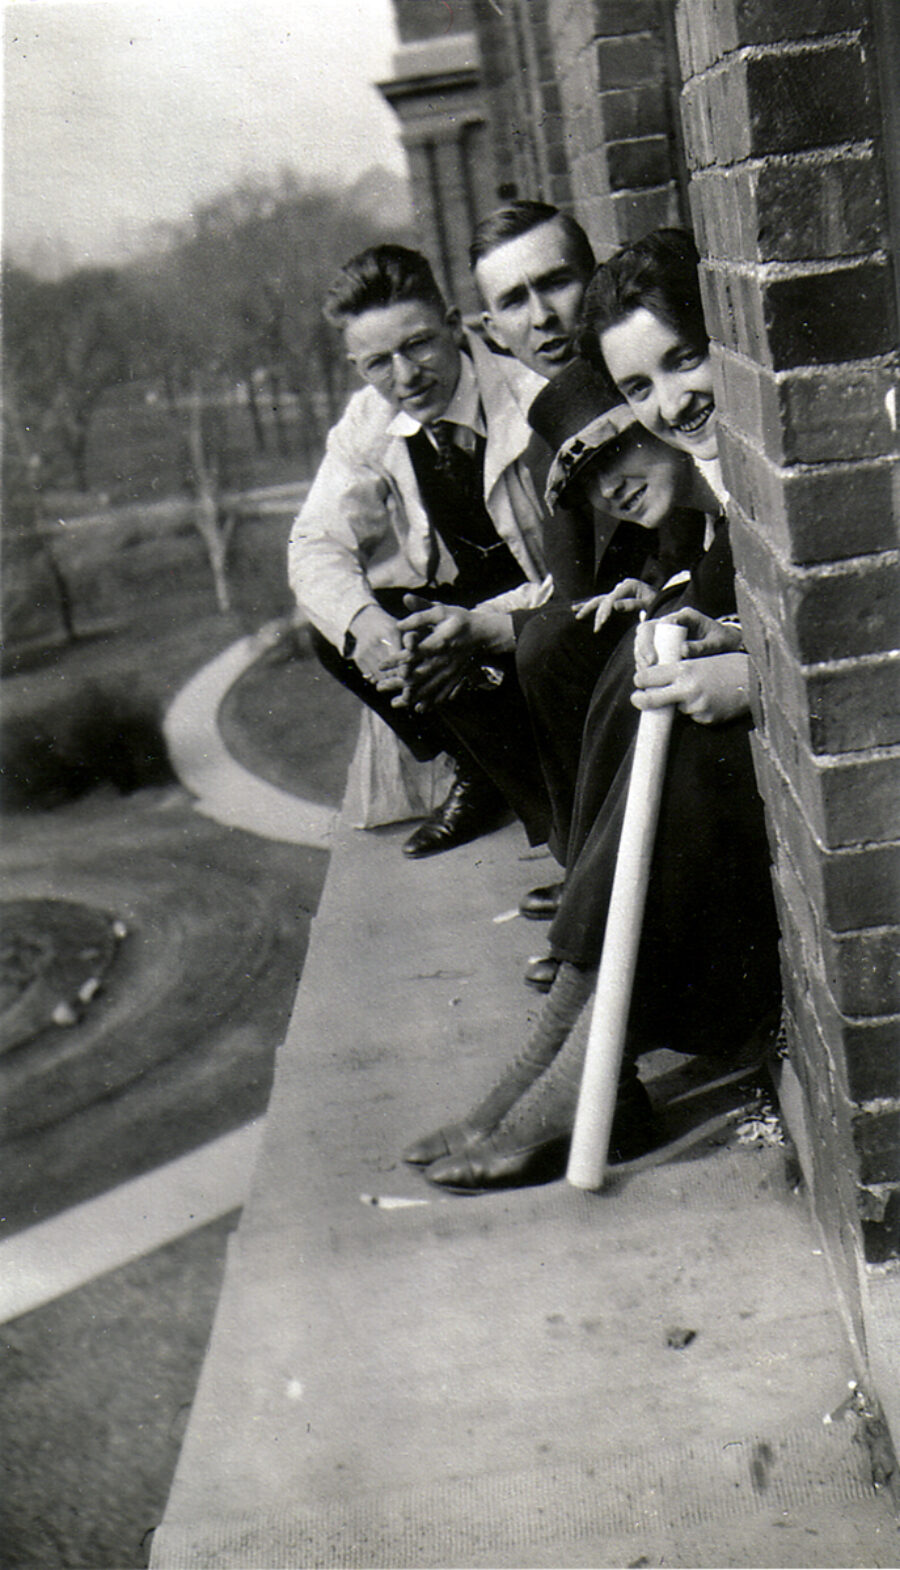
x,y
711,471
464,407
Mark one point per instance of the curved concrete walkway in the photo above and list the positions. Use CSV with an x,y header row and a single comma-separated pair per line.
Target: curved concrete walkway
x,y
224,789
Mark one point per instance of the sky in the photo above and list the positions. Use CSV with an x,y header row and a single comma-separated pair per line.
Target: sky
x,y
123,113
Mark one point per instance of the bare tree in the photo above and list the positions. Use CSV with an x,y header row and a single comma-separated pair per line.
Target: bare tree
x,y
236,297
215,522
66,344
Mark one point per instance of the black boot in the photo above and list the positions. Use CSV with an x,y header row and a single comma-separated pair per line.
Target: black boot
x,y
474,807
543,903
531,1142
558,1015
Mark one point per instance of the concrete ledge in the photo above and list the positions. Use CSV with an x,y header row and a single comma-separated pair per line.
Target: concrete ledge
x,y
440,1380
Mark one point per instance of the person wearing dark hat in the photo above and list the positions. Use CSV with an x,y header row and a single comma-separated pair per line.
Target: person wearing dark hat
x,y
636,491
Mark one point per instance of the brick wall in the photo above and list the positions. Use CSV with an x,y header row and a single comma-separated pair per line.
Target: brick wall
x,y
618,82
788,123
523,101
784,133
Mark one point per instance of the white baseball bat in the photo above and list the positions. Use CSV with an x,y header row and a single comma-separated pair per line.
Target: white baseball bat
x,y
615,979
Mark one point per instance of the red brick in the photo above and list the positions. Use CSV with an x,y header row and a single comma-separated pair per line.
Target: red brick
x,y
684,39
640,161
620,17
823,614
629,61
850,800
876,1138
697,45
813,416
822,207
881,1233
862,887
864,1052
824,514
814,1061
740,22
819,318
801,99
808,318
724,198
840,1199
814,1011
862,971
788,101
873,1062
639,211
852,888
847,707
635,111
813,206
697,125
853,709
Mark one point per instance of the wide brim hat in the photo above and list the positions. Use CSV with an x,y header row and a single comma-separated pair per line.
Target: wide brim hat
x,y
576,414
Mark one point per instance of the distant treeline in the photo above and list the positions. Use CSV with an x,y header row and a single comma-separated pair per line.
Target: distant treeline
x,y
106,367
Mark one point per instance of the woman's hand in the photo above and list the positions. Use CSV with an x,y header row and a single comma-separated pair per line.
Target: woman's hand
x,y
704,636
711,683
710,690
629,595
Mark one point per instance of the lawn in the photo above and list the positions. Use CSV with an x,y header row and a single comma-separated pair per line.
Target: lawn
x,y
178,1044
95,818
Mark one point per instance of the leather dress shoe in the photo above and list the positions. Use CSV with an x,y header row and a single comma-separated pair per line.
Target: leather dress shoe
x,y
443,1142
473,807
540,973
509,1157
543,903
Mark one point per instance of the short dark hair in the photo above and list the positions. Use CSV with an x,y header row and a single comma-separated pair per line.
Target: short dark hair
x,y
520,217
659,273
379,276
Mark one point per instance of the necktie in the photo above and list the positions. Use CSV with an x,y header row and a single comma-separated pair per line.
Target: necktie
x,y
446,448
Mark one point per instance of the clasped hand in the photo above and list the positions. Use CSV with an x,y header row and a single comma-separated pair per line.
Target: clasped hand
x,y
711,684
441,647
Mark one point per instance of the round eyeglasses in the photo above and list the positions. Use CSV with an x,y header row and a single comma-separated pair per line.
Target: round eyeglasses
x,y
421,349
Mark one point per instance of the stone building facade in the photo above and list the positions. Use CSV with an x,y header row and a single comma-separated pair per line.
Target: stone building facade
x,y
772,129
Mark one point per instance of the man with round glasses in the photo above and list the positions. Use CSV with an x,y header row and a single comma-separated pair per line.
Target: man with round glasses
x,y
429,455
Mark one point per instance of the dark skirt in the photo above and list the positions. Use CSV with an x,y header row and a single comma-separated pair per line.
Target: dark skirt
x,y
707,969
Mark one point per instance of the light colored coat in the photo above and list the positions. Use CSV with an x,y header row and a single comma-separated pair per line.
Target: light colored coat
x,y
365,497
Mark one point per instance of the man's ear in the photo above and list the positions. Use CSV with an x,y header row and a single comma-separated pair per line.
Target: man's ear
x,y
494,338
454,321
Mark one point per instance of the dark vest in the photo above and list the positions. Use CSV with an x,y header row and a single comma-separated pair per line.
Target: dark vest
x,y
452,494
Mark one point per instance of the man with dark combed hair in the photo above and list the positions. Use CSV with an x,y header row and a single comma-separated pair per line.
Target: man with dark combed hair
x,y
531,264
521,217
383,275
428,456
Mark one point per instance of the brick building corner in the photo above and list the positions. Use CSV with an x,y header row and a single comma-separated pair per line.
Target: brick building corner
x,y
774,131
